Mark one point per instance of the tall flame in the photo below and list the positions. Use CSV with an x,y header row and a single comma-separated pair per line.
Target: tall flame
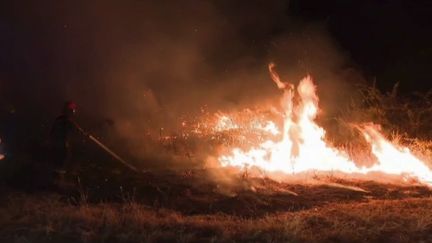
x,y
302,146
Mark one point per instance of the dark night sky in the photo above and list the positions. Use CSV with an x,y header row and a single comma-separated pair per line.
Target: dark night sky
x,y
144,63
389,39
46,46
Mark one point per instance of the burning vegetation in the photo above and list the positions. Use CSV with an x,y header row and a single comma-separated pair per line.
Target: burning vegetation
x,y
299,145
285,140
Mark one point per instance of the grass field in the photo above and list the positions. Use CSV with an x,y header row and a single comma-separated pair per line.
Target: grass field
x,y
171,208
46,218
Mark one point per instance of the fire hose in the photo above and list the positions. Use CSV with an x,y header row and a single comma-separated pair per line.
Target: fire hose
x,y
105,148
109,151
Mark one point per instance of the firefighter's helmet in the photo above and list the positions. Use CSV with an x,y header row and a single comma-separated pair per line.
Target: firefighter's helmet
x,y
69,108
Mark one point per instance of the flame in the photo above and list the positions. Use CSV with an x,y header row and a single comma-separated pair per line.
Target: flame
x,y
268,126
391,159
302,146
225,123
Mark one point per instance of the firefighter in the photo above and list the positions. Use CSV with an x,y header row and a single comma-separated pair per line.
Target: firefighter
x,y
60,135
61,132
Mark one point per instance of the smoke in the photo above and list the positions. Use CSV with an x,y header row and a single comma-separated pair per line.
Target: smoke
x,y
139,66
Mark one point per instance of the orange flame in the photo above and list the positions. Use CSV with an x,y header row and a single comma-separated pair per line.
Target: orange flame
x,y
391,159
302,146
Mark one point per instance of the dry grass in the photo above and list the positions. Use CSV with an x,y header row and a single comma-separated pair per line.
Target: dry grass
x,y
406,116
47,219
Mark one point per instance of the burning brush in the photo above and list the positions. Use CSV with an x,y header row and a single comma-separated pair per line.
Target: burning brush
x,y
298,144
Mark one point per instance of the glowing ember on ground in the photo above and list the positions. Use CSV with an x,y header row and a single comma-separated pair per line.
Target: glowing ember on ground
x,y
301,146
269,127
225,123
